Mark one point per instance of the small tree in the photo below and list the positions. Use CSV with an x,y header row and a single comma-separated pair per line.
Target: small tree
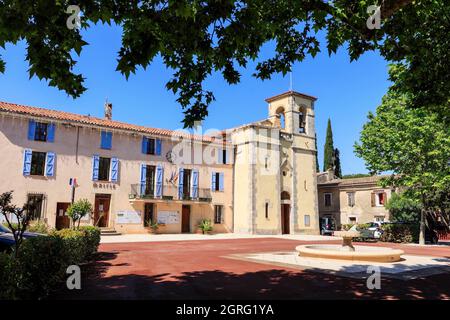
x,y
10,211
78,210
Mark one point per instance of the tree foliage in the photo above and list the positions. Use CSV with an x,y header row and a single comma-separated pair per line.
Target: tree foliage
x,y
196,38
403,209
413,144
337,163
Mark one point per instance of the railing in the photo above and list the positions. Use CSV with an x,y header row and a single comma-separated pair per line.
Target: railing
x,y
169,192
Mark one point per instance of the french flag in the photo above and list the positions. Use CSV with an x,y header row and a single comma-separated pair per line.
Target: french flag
x,y
73,182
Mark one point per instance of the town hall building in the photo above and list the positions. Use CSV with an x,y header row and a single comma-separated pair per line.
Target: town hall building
x,y
258,178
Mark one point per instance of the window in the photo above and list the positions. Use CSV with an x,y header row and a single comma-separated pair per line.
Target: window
x,y
103,169
351,199
328,198
218,214
307,220
379,218
301,121
150,180
352,220
267,210
149,146
187,183
40,132
378,199
34,204
224,156
217,183
37,163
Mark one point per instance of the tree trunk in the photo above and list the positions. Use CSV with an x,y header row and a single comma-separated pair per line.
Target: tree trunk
x,y
422,227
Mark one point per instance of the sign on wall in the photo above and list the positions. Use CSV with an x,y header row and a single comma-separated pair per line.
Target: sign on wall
x,y
168,217
128,217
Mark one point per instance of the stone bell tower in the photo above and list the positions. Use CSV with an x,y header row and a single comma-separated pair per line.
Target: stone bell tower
x,y
297,109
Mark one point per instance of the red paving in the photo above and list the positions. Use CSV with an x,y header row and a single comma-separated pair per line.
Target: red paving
x,y
198,270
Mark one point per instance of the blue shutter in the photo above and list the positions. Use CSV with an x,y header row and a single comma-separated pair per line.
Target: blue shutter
x,y
95,167
213,182
143,178
158,147
159,181
27,154
106,140
194,187
221,182
180,183
51,132
50,164
220,155
31,129
144,145
114,169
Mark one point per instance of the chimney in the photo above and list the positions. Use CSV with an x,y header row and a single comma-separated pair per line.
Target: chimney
x,y
108,111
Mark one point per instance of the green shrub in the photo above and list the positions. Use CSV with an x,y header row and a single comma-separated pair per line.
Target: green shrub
x,y
400,233
38,268
74,245
4,272
91,240
42,261
39,227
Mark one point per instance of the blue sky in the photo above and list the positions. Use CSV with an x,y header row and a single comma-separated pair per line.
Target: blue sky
x,y
346,91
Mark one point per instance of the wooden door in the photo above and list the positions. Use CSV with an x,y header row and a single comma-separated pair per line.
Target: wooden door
x,y
186,219
101,210
148,215
285,212
62,220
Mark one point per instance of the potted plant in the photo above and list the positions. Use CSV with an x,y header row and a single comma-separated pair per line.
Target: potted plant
x,y
205,226
153,226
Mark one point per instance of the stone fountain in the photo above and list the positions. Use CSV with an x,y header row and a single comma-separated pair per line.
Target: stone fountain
x,y
346,251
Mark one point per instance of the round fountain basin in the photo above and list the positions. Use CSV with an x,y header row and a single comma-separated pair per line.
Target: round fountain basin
x,y
361,253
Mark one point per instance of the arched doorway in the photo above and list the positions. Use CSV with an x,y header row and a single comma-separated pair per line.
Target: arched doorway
x,y
285,212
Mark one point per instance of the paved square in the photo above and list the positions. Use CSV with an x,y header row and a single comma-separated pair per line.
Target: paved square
x,y
203,270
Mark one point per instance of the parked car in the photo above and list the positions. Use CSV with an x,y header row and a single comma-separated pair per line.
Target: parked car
x,y
6,241
327,226
375,227
26,234
7,238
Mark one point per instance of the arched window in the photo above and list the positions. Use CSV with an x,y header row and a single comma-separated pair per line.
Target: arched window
x,y
281,118
302,120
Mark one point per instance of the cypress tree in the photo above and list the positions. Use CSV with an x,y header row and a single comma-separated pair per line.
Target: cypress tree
x,y
317,154
337,163
328,149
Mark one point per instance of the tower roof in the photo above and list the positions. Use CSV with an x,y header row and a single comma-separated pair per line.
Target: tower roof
x,y
290,93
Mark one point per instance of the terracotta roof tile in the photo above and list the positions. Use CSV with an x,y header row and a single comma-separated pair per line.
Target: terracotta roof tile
x,y
94,121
